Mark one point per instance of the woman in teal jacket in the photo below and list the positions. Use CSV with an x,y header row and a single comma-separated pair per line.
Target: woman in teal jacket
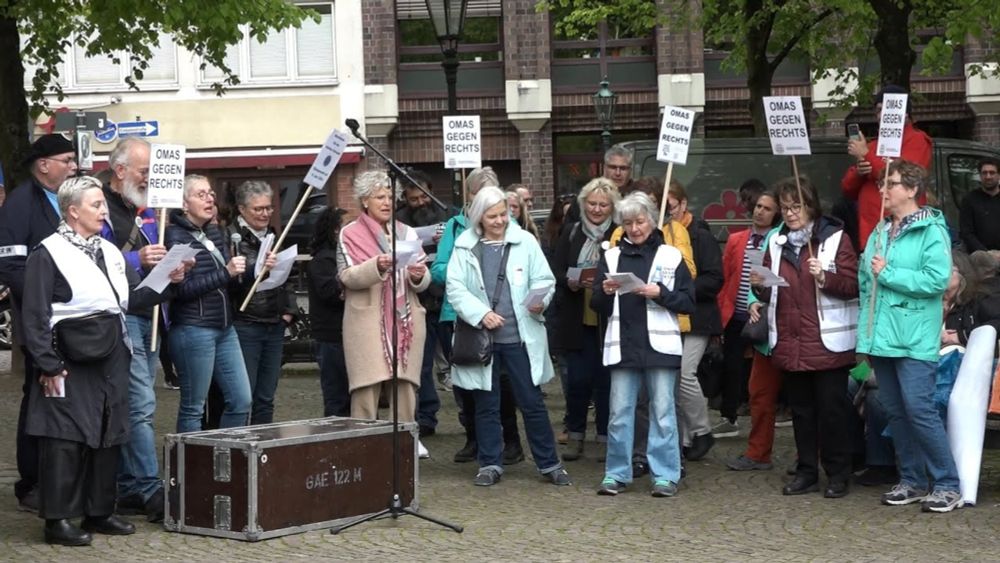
x,y
477,276
906,266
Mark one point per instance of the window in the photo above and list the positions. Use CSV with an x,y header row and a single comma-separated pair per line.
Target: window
x,y
304,55
78,71
611,48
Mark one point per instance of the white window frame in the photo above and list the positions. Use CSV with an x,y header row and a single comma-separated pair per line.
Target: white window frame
x,y
292,78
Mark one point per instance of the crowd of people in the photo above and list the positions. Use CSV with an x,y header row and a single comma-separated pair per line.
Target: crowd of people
x,y
622,304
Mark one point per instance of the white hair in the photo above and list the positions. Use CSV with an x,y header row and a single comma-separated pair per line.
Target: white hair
x,y
634,205
480,178
71,191
372,181
485,199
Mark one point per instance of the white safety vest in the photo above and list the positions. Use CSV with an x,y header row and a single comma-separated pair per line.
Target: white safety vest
x,y
664,331
838,321
91,291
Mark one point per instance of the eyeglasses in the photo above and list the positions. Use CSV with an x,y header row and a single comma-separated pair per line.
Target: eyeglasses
x,y
263,210
889,185
794,209
204,195
65,161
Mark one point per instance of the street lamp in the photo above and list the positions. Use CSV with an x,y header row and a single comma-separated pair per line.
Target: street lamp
x,y
604,104
448,17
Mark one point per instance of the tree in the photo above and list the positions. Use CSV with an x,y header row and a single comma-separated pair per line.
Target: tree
x,y
106,28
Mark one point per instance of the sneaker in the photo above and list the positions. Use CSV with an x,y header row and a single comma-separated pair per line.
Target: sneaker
x,y
903,493
422,452
726,429
783,418
28,502
559,477
573,450
609,487
664,488
942,501
486,478
513,453
700,445
744,463
467,453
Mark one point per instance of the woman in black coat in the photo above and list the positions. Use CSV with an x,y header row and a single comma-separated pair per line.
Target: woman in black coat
x,y
73,314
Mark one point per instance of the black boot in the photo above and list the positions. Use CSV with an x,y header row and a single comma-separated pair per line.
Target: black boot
x,y
467,453
63,532
109,525
513,453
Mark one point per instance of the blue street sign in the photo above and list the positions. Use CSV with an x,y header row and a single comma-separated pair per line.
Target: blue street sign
x,y
108,134
138,128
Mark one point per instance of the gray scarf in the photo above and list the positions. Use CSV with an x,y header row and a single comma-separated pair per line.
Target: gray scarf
x,y
90,246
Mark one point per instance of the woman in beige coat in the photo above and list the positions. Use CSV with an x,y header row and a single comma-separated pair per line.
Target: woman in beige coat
x,y
365,265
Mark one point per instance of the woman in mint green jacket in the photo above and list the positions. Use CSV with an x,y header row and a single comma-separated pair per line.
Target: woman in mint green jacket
x,y
907,265
478,274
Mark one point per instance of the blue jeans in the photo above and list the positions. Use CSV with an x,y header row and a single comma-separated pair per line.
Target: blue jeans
x,y
261,344
428,403
663,450
588,379
202,354
489,433
906,389
333,378
139,472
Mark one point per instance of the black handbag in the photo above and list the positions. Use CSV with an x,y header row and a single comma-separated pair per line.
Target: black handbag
x,y
88,339
756,332
472,345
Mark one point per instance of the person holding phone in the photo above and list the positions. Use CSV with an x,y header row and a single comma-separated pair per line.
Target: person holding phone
x,y
860,182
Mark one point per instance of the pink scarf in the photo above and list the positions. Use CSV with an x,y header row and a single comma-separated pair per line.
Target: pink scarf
x,y
363,240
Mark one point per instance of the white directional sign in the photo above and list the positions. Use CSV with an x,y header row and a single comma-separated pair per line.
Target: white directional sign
x,y
786,125
327,159
139,129
890,125
463,146
675,135
165,187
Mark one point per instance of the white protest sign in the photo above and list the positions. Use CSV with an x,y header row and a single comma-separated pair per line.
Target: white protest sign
x,y
890,125
165,186
463,147
675,135
327,159
786,125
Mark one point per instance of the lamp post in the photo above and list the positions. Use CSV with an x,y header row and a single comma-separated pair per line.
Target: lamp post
x,y
448,17
604,104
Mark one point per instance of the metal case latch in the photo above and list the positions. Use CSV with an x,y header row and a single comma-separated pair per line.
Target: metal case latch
x,y
221,464
223,512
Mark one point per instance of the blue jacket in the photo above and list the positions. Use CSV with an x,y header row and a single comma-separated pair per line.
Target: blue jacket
x,y
439,270
526,269
908,313
118,227
202,298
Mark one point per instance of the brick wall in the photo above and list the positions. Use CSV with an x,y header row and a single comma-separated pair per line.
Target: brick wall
x,y
340,188
536,165
527,52
986,129
679,51
378,20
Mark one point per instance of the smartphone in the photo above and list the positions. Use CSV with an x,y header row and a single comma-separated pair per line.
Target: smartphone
x,y
853,131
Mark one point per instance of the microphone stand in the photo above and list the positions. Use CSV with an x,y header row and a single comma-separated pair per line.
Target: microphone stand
x,y
395,508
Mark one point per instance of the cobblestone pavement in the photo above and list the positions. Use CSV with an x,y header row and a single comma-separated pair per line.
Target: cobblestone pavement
x,y
718,515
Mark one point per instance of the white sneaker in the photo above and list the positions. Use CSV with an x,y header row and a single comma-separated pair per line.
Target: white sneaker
x,y
422,451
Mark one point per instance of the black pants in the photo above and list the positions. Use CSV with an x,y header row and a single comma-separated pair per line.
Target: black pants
x,y
76,480
27,446
737,370
821,421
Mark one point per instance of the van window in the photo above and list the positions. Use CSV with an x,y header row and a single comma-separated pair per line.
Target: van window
x,y
963,175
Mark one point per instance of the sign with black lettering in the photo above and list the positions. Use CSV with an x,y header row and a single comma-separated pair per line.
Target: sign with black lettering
x,y
786,125
890,125
165,187
463,147
675,135
327,159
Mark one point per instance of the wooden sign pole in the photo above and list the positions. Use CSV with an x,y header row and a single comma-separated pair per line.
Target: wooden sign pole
x,y
878,248
666,188
162,229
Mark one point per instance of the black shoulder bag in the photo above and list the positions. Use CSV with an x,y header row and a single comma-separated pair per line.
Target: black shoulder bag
x,y
473,346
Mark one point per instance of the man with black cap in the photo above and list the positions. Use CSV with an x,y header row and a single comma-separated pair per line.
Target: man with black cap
x,y
860,183
29,215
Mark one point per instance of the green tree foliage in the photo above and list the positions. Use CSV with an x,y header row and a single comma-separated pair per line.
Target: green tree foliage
x,y
105,28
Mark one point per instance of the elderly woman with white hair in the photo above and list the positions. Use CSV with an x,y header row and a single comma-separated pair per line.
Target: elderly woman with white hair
x,y
642,343
203,341
372,309
495,266
513,453
74,319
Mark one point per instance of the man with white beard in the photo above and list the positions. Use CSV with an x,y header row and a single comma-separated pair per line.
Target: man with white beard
x,y
133,229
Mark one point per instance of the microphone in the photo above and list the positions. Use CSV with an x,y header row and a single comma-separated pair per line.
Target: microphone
x,y
353,125
236,239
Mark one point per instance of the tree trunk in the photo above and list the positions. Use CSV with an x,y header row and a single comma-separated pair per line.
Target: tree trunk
x,y
13,106
892,41
759,71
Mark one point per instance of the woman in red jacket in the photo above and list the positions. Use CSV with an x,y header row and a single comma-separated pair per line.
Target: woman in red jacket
x,y
812,332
